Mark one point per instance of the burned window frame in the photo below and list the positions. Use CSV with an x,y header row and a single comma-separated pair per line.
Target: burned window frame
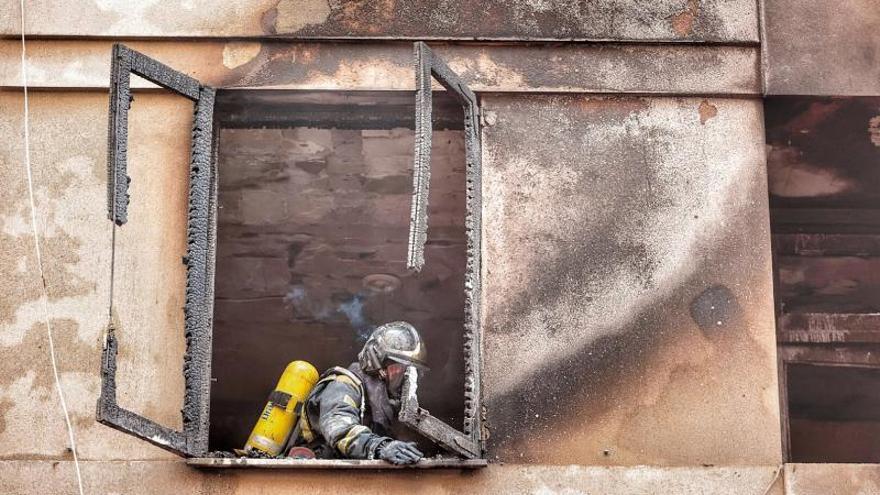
x,y
430,67
199,259
192,441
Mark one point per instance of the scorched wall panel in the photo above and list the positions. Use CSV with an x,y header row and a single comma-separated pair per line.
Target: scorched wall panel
x,y
665,20
628,313
619,232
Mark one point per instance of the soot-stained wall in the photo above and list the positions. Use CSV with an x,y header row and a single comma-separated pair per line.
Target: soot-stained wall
x,y
598,310
613,364
312,240
628,296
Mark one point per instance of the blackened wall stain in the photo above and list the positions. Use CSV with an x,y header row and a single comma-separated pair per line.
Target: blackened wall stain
x,y
714,308
676,20
573,391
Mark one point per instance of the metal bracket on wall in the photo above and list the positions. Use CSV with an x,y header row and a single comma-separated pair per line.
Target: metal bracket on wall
x,y
199,259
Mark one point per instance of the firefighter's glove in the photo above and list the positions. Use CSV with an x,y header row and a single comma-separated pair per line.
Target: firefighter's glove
x,y
397,452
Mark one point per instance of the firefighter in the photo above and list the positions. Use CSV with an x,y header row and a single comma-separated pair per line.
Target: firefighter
x,y
349,413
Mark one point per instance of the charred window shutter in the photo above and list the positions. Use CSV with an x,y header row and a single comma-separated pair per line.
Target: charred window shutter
x,y
193,440
430,67
418,227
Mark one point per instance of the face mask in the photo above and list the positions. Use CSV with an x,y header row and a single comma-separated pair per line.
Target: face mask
x,y
394,374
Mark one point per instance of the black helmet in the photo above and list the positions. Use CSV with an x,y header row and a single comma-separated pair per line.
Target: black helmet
x,y
396,341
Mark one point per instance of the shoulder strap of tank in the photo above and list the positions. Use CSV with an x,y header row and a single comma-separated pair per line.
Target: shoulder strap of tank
x,y
333,374
342,374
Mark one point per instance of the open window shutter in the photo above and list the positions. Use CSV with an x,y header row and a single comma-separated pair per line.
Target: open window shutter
x,y
193,440
430,67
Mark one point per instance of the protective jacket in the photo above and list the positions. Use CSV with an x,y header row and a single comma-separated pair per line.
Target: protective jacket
x,y
347,415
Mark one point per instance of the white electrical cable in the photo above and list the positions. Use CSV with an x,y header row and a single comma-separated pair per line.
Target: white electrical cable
x,y
44,295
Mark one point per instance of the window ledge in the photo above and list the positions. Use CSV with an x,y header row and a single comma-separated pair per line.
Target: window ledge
x,y
221,463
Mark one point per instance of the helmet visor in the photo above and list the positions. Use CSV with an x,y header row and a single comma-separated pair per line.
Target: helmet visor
x,y
422,367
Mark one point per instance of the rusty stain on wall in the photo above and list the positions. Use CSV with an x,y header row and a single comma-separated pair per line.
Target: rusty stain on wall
x,y
33,343
15,261
707,111
294,15
17,258
683,22
27,380
5,406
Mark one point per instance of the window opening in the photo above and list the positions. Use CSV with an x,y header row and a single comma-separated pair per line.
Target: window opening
x,y
314,202
824,181
430,68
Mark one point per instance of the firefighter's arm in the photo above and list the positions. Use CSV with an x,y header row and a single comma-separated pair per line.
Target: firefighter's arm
x,y
340,421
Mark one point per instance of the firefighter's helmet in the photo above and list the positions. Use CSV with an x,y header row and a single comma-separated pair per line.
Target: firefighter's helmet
x,y
397,341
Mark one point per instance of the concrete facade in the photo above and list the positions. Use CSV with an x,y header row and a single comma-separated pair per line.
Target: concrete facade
x,y
629,338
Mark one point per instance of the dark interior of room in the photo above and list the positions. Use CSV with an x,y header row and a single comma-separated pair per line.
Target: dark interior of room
x,y
834,413
824,178
314,206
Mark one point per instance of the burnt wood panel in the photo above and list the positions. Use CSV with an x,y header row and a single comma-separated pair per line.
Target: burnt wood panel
x,y
428,66
193,440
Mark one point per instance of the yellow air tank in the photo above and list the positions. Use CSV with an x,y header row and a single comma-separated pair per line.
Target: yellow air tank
x,y
282,411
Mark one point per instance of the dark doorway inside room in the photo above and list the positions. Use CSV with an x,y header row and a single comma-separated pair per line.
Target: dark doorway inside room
x,y
824,178
313,222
